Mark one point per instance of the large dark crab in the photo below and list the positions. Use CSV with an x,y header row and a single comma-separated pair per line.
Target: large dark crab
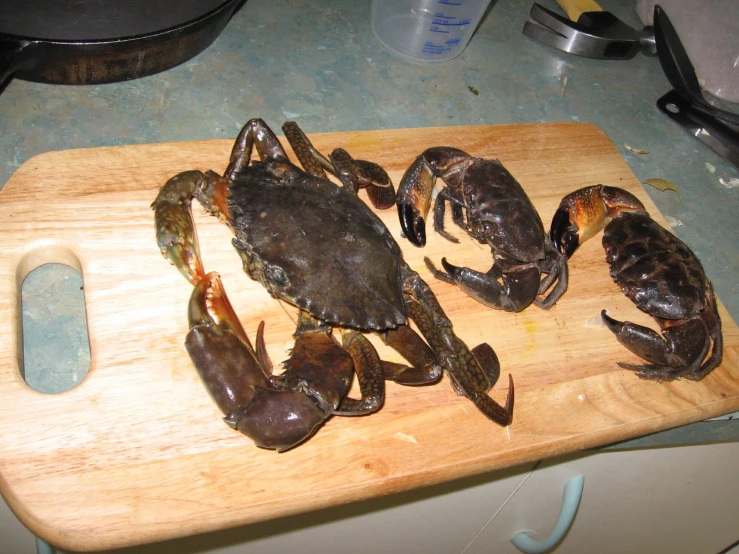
x,y
490,204
318,247
658,272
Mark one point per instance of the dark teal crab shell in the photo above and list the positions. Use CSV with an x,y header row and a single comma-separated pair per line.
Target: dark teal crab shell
x,y
317,246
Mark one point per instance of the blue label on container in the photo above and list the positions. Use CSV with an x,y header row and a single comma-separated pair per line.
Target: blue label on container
x,y
436,49
450,22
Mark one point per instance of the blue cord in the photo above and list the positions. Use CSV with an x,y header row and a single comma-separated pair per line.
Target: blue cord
x,y
570,503
43,547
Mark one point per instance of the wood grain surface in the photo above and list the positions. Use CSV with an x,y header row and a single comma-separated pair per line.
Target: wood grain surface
x,y
138,452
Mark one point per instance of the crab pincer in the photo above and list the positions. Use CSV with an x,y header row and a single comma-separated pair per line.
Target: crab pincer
x,y
236,378
219,348
276,411
658,272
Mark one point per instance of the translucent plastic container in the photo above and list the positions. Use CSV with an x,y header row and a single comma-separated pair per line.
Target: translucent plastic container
x,y
427,30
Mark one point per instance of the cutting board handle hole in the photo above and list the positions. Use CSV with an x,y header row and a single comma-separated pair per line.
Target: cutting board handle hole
x,y
56,356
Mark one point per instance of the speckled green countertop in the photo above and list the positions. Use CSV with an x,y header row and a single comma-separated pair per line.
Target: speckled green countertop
x,y
319,63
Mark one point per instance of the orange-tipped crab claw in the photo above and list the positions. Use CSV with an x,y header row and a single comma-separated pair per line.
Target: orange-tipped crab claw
x,y
219,349
414,200
210,306
585,212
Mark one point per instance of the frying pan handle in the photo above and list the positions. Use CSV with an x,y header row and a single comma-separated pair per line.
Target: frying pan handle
x,y
11,56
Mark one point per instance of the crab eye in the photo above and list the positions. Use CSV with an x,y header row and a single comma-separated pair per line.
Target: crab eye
x,y
487,229
276,275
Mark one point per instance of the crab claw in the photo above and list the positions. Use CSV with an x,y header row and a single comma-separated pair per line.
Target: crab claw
x,y
277,419
417,185
209,306
414,200
678,352
297,402
412,224
565,235
226,362
585,212
235,376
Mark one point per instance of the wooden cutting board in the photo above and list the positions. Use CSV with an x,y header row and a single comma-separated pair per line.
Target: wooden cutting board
x,y
138,452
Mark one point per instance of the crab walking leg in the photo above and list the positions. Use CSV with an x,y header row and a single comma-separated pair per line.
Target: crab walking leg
x,y
255,133
353,174
424,309
368,367
713,323
557,270
425,368
440,210
467,373
680,352
312,160
488,361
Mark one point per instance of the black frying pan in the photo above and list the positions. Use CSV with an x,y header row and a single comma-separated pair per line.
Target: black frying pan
x,y
80,42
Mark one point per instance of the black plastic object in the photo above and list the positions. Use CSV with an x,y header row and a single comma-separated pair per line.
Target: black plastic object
x,y
686,105
81,42
679,70
711,131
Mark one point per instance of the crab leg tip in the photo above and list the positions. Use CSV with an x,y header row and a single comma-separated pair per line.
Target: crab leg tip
x,y
452,270
510,399
614,325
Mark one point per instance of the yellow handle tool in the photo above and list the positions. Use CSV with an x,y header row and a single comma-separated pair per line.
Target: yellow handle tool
x,y
588,31
575,8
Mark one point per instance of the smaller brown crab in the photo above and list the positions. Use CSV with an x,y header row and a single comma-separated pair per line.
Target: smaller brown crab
x,y
656,271
498,213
